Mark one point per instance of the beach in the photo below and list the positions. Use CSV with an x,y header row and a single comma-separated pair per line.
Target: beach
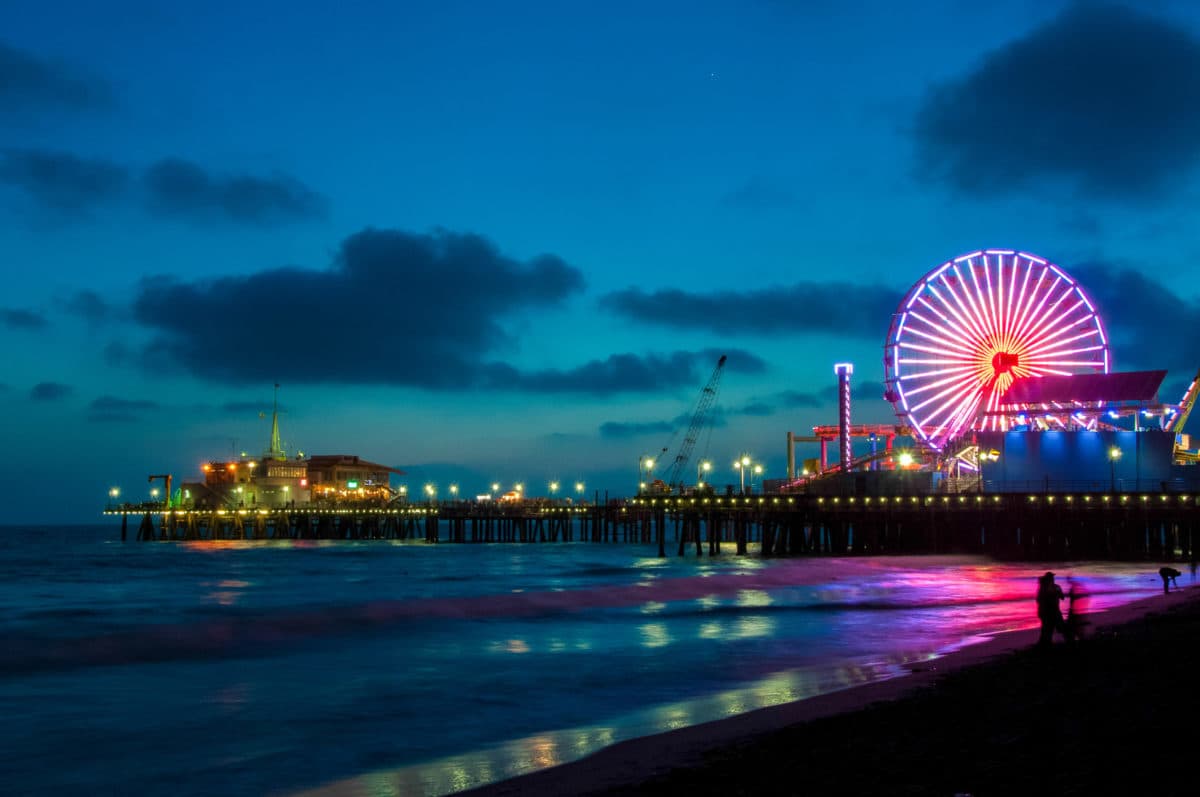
x,y
1110,714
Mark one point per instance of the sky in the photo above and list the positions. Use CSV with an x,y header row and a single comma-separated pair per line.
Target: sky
x,y
488,242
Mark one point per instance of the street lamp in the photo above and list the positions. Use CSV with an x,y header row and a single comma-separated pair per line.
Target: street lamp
x,y
495,487
758,470
453,492
701,469
430,491
645,469
1114,454
114,492
741,465
579,487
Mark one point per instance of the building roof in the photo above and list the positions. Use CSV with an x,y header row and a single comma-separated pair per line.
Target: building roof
x,y
322,461
1127,386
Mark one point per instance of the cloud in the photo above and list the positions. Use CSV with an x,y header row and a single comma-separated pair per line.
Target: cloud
x,y
797,399
759,193
624,430
49,391
860,311
114,404
1104,99
176,187
623,373
60,181
27,81
110,409
1149,325
394,308
89,306
16,318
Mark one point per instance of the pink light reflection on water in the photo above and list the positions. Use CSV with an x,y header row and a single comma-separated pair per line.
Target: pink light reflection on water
x,y
891,614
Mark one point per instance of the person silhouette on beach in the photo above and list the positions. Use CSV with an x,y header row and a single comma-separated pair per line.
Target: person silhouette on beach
x,y
1168,575
1049,595
1077,600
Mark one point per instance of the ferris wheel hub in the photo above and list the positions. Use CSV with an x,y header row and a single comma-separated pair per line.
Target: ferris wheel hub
x,y
1004,362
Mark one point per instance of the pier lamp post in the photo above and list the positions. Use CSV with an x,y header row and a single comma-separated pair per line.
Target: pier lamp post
x,y
495,487
701,469
741,465
404,493
453,492
520,488
114,493
430,492
757,474
1114,454
553,490
579,487
645,470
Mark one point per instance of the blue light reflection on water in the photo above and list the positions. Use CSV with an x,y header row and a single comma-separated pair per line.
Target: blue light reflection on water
x,y
252,668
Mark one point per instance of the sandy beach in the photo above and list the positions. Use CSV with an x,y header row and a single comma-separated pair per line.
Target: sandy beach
x,y
1109,714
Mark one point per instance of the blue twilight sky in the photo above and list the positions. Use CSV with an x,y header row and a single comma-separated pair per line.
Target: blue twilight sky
x,y
508,241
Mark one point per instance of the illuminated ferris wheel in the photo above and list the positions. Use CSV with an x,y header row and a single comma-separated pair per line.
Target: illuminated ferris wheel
x,y
969,327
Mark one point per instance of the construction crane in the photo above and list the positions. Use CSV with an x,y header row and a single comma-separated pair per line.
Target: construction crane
x,y
699,418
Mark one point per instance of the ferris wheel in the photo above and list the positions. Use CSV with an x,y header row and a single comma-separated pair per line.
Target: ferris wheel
x,y
969,327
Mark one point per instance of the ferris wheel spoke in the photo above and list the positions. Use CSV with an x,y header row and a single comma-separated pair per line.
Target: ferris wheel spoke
x,y
934,327
975,306
960,415
1038,301
956,309
1012,289
964,312
993,311
953,325
1036,328
953,378
966,352
1056,346
1025,302
1057,321
963,384
927,374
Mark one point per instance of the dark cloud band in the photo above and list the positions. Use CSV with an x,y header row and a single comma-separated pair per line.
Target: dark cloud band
x,y
1103,98
856,310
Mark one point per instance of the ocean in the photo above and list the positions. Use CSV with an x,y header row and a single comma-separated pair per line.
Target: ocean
x,y
396,668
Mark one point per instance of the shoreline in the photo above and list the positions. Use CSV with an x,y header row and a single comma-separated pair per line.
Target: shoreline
x,y
628,764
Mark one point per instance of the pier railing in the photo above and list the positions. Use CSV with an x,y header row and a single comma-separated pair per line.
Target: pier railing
x,y
1032,525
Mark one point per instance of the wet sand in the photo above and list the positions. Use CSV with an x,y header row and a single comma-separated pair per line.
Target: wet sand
x,y
1111,714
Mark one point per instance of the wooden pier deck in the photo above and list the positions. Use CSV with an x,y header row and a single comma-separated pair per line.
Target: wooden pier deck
x,y
1035,526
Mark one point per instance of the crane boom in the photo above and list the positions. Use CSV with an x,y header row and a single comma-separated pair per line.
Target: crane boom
x,y
699,417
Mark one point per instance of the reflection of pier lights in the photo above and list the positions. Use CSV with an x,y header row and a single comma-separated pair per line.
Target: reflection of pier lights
x,y
843,371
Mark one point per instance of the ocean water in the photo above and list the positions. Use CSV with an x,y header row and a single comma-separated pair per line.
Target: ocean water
x,y
379,668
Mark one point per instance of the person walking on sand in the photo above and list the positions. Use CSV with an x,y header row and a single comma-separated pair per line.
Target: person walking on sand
x,y
1049,595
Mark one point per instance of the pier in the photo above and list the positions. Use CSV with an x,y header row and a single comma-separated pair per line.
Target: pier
x,y
1034,526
